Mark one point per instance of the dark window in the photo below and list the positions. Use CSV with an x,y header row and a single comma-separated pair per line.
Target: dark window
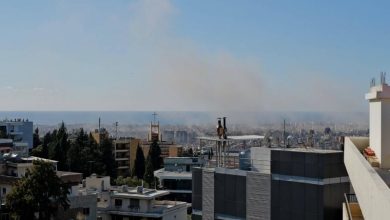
x,y
86,211
118,202
4,191
134,204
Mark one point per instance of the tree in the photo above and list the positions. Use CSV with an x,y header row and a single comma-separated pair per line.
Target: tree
x,y
149,175
58,148
132,182
36,140
106,157
139,164
41,191
155,154
77,155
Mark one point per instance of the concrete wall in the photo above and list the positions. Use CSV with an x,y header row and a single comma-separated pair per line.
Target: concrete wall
x,y
208,195
177,214
261,159
258,194
372,192
77,204
385,138
97,182
375,127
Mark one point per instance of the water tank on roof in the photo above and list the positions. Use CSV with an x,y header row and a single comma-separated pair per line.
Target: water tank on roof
x,y
140,189
245,160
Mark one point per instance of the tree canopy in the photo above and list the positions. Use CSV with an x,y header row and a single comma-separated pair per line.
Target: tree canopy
x,y
40,190
80,154
155,155
58,148
149,174
139,164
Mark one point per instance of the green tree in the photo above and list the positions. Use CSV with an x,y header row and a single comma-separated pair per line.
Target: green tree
x,y
149,175
43,149
77,155
36,140
155,154
41,191
58,148
132,182
139,164
106,157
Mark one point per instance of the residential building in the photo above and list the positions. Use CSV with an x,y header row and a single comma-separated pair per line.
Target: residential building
x,y
169,135
168,148
123,202
20,131
82,206
140,203
176,177
122,156
367,160
13,167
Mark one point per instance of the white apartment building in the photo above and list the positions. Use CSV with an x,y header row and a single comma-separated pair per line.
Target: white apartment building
x,y
369,168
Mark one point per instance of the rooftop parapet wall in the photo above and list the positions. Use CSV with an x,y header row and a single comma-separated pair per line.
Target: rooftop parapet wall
x,y
372,192
379,98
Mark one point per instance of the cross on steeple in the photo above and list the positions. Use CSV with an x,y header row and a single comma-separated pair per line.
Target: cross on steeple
x,y
154,117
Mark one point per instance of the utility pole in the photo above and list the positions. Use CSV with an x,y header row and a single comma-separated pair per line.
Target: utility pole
x,y
284,132
116,130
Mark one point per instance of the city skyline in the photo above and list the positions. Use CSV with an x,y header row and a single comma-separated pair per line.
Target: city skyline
x,y
200,56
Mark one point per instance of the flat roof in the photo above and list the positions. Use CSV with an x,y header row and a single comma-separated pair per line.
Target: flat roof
x,y
147,194
307,150
233,138
163,174
32,158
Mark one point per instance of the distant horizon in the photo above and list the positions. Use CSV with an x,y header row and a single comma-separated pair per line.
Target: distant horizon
x,y
183,117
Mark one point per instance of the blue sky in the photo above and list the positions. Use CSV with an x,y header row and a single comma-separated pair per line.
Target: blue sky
x,y
191,55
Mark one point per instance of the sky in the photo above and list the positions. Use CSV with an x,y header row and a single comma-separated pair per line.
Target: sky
x,y
196,55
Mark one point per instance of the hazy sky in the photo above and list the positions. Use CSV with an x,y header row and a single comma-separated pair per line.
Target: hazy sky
x,y
191,55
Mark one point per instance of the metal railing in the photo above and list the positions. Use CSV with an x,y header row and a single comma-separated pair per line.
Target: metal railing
x,y
350,198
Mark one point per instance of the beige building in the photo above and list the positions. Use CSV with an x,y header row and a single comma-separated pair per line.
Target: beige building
x,y
168,148
122,156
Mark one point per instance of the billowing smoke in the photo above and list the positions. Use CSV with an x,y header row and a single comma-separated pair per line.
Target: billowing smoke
x,y
187,77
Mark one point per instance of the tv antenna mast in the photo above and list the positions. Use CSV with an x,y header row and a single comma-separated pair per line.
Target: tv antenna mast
x,y
116,130
383,78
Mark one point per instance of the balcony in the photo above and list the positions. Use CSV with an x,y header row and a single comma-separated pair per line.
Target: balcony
x,y
353,210
371,190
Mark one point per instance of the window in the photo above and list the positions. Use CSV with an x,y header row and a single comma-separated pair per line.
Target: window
x,y
134,204
86,211
118,202
4,191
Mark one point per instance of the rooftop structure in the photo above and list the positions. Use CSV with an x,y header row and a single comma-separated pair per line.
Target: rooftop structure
x,y
20,131
176,177
379,99
367,161
129,202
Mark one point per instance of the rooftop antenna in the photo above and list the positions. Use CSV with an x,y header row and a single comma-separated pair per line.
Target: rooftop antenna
x,y
116,130
284,132
372,83
99,125
383,78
